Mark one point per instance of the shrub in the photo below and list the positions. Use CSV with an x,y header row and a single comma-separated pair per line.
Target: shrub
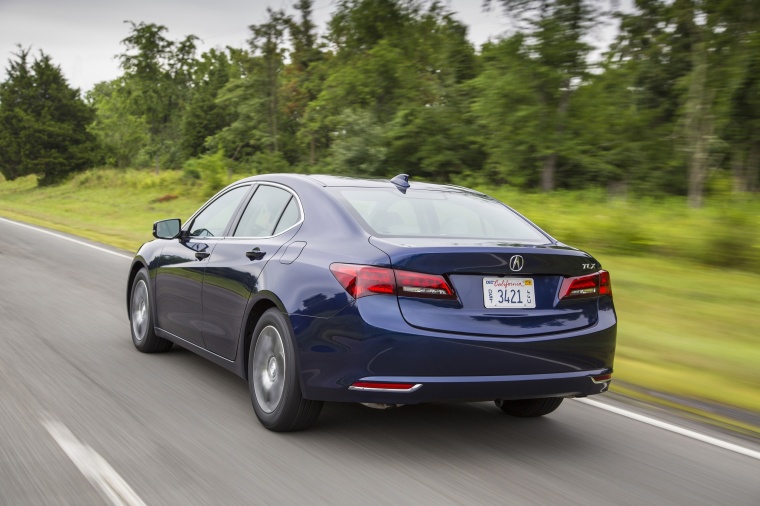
x,y
210,170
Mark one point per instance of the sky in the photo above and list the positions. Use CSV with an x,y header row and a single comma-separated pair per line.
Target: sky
x,y
83,36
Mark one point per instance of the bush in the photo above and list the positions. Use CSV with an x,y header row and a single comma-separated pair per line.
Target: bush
x,y
210,170
731,240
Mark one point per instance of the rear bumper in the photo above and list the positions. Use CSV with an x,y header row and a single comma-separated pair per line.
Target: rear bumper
x,y
370,341
476,388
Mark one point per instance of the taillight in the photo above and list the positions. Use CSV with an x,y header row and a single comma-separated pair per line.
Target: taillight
x,y
592,285
415,284
362,280
605,285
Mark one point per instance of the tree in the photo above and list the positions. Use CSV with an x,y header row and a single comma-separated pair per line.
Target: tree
x,y
122,136
554,46
737,34
43,121
695,78
157,78
254,97
303,78
204,116
391,60
267,44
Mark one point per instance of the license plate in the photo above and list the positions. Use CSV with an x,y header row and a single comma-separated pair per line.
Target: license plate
x,y
509,293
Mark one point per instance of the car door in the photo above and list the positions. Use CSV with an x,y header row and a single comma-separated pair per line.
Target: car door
x,y
179,277
234,269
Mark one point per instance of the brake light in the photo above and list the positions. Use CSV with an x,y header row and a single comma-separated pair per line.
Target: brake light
x,y
362,280
592,285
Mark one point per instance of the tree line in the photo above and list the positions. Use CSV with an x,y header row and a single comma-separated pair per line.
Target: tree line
x,y
395,86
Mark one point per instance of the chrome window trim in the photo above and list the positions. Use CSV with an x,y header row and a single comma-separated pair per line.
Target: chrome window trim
x,y
210,201
282,187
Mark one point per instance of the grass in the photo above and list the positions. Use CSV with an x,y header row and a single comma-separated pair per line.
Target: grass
x,y
726,232
688,324
116,208
687,329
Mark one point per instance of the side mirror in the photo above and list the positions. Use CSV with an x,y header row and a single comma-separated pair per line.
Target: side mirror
x,y
166,229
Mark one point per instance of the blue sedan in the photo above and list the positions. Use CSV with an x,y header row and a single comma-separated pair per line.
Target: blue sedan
x,y
384,292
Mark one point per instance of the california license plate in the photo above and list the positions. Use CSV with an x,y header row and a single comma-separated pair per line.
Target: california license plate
x,y
509,293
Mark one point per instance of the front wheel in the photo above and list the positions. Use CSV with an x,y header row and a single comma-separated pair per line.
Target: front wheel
x,y
141,317
273,377
529,407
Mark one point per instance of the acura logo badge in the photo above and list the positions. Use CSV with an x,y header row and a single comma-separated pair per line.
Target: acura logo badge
x,y
516,263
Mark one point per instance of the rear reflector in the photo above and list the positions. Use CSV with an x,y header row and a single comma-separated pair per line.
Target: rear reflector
x,y
375,386
592,285
601,378
362,280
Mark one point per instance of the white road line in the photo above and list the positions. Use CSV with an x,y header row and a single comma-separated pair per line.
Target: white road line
x,y
673,428
104,250
622,412
93,466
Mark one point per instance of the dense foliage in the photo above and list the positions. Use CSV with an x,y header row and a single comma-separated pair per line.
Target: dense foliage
x,y
394,86
43,122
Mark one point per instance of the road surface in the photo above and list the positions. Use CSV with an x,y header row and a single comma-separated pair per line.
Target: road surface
x,y
86,419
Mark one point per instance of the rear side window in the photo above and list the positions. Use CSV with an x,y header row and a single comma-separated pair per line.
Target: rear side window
x,y
427,213
290,216
270,211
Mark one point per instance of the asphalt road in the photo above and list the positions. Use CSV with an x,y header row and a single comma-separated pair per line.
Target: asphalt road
x,y
86,419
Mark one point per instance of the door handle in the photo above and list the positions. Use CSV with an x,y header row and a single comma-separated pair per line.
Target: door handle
x,y
200,255
255,254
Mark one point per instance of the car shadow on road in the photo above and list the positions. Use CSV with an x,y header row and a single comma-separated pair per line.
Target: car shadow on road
x,y
431,431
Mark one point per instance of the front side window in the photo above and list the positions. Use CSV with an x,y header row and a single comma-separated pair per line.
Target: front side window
x,y
213,220
270,211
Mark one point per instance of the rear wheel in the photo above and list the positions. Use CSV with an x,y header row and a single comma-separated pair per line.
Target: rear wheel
x,y
141,317
529,407
273,377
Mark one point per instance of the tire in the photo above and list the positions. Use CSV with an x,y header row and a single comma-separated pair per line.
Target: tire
x,y
273,377
141,317
529,408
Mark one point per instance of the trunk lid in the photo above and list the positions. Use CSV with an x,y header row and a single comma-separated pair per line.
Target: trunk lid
x,y
466,263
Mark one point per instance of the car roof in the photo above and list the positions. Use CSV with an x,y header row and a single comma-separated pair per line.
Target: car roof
x,y
344,181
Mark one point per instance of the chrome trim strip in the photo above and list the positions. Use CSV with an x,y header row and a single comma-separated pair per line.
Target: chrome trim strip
x,y
282,187
213,198
186,342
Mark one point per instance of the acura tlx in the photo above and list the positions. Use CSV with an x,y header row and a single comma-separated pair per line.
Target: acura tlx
x,y
384,292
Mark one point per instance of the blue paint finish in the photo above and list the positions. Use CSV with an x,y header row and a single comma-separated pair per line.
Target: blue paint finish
x,y
371,339
457,349
292,251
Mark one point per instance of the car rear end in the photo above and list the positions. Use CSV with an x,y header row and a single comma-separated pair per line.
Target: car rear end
x,y
476,303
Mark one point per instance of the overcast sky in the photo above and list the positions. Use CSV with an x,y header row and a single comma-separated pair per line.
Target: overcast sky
x,y
82,36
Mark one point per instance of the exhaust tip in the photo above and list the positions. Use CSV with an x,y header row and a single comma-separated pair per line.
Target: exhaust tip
x,y
377,405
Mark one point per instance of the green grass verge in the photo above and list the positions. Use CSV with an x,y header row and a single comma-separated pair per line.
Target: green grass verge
x,y
116,208
686,327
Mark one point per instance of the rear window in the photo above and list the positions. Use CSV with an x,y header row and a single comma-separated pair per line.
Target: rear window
x,y
426,213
